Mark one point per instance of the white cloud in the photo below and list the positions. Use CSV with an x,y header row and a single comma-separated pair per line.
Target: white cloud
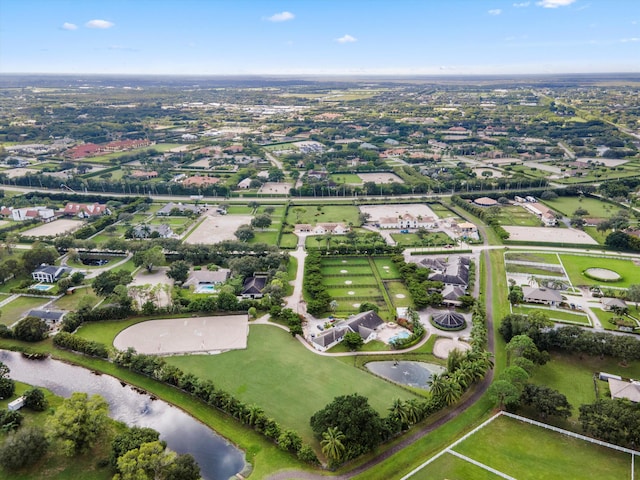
x,y
69,26
554,3
281,17
495,11
101,24
346,39
629,40
522,4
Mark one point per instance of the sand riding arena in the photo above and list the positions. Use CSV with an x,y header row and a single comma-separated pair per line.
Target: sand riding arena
x,y
186,335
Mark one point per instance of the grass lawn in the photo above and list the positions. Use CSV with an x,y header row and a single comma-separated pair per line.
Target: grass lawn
x,y
288,240
573,376
448,467
531,270
239,210
526,452
276,372
555,314
599,237
536,257
518,216
348,270
441,210
386,268
71,302
128,265
15,309
400,296
428,240
349,178
323,214
268,237
576,264
596,208
7,286
605,316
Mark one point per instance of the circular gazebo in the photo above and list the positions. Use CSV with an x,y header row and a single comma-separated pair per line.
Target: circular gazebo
x,y
449,321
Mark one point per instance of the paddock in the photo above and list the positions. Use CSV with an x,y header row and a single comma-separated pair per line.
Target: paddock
x,y
186,335
57,227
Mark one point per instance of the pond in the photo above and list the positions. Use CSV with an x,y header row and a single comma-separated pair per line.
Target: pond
x,y
413,374
215,455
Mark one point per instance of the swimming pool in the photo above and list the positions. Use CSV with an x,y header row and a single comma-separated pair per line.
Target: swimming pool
x,y
41,287
205,289
400,336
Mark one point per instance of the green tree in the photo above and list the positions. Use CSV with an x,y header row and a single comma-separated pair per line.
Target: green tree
x,y
35,400
37,255
151,257
105,283
31,329
633,293
261,221
144,463
503,393
332,444
78,422
353,341
23,448
178,271
398,412
131,439
7,385
184,467
244,233
546,401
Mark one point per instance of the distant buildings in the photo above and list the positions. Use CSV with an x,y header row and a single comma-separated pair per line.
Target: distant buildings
x,y
85,210
91,149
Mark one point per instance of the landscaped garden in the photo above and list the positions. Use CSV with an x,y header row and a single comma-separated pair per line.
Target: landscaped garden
x,y
413,239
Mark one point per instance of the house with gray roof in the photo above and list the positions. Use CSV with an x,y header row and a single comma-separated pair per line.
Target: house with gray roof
x,y
451,294
542,295
181,207
622,389
253,286
613,304
49,316
49,273
364,324
207,277
456,273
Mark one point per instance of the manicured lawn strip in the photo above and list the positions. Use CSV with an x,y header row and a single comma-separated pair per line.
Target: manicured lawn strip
x,y
292,268
12,311
440,210
357,291
528,452
599,237
10,284
538,257
573,376
596,208
350,270
531,270
323,214
429,240
264,455
239,210
448,466
128,265
336,282
389,273
348,178
398,288
576,264
276,372
554,314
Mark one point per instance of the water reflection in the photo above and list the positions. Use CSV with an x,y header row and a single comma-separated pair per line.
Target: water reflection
x,y
414,374
218,459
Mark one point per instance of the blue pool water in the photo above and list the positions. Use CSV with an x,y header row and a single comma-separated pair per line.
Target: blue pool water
x,y
400,336
206,289
43,288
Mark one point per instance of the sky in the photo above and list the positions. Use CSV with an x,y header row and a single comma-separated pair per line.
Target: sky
x,y
309,37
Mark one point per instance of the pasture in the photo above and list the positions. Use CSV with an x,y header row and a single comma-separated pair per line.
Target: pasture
x,y
575,265
276,371
516,215
347,214
596,208
535,257
556,315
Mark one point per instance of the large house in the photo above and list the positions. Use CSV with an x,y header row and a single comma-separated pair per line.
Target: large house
x,y
454,273
541,295
245,183
253,286
84,210
49,316
331,228
407,221
49,273
169,208
32,213
152,231
207,277
364,324
622,389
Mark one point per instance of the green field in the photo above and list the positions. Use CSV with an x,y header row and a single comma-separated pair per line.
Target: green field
x,y
537,257
576,264
386,268
605,316
80,295
288,240
15,309
400,296
448,466
596,208
517,216
239,210
269,237
528,452
311,214
573,376
556,315
531,270
276,372
428,240
160,147
349,178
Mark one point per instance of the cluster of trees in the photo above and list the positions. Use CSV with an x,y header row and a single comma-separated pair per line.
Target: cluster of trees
x,y
413,324
292,319
612,420
424,292
488,215
314,286
250,415
74,342
244,233
622,241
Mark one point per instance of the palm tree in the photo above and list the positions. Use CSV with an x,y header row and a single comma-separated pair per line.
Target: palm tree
x,y
451,392
332,446
436,384
415,411
398,411
253,414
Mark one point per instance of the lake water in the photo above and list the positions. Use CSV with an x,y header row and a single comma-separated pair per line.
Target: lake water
x,y
413,374
218,459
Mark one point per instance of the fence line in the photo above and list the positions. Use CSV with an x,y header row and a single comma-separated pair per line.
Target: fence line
x,y
481,465
572,434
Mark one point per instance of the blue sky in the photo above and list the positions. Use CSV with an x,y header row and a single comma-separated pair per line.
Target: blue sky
x,y
319,36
